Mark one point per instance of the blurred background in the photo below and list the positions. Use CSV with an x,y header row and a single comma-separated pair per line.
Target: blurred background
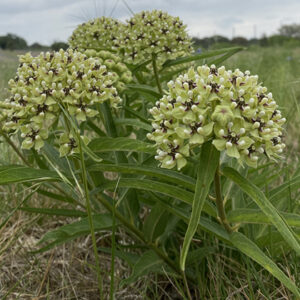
x,y
37,23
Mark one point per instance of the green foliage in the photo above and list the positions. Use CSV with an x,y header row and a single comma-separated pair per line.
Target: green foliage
x,y
174,223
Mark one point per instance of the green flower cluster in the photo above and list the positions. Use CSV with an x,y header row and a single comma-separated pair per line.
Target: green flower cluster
x,y
120,73
154,32
98,34
230,108
48,82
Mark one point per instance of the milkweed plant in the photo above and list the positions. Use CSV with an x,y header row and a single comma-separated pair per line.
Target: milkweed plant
x,y
178,128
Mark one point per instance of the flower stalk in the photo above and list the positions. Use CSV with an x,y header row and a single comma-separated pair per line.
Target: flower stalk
x,y
90,219
156,73
220,203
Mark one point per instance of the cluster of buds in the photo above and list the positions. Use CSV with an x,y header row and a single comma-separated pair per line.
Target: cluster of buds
x,y
98,34
48,82
119,71
230,108
154,32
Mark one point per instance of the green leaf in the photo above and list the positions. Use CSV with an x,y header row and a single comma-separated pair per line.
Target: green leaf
x,y
197,255
280,192
164,174
256,216
148,262
71,231
155,223
155,186
183,60
204,224
141,66
130,258
58,197
133,122
247,247
121,144
209,161
219,60
136,114
54,211
265,205
15,173
144,89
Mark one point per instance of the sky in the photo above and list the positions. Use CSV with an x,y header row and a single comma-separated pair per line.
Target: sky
x,y
46,21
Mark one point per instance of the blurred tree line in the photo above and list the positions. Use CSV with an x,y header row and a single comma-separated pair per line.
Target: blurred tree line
x,y
288,35
14,42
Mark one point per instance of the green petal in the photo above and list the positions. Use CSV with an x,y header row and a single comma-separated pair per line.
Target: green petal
x,y
233,152
197,139
219,144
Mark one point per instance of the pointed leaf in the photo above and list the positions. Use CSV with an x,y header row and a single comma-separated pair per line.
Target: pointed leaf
x,y
167,175
209,161
121,144
71,231
15,173
265,205
183,60
246,246
148,262
256,216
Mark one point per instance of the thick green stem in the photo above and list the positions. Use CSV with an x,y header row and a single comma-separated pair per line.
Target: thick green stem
x,y
90,219
219,202
156,73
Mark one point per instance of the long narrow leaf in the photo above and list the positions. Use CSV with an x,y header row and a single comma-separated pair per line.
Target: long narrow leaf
x,y
155,186
209,161
265,205
195,57
166,175
120,144
15,173
246,246
256,216
71,231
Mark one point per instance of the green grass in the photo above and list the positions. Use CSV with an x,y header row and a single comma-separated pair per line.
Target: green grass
x,y
226,274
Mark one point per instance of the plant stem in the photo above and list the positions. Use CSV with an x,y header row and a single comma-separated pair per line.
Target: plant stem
x,y
18,152
156,73
90,219
140,236
113,250
219,202
186,286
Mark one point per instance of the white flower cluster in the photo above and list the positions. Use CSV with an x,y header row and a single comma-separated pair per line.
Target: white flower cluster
x,y
48,82
230,108
155,32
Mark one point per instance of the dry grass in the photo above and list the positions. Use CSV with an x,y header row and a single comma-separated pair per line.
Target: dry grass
x,y
65,272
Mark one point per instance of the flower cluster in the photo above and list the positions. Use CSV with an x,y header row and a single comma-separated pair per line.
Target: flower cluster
x,y
119,71
154,32
230,108
48,82
98,34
